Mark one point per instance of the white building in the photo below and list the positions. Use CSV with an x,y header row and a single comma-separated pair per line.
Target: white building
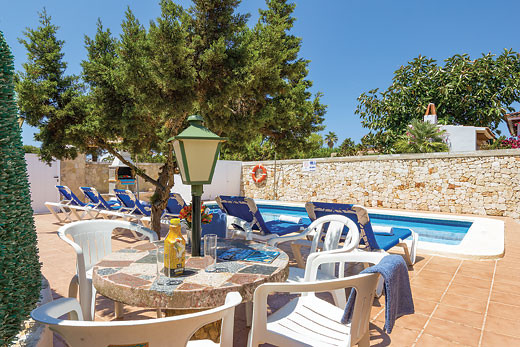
x,y
461,138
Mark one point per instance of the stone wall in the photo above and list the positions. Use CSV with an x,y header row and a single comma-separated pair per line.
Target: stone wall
x,y
481,182
79,172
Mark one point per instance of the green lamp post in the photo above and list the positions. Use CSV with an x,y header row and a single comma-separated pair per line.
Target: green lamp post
x,y
196,150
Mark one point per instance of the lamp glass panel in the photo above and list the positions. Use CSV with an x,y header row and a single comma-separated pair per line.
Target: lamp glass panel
x,y
200,155
178,155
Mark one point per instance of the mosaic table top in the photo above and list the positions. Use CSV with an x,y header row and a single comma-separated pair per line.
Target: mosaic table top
x,y
130,276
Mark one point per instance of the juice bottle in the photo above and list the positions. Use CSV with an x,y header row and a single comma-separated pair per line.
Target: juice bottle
x,y
174,250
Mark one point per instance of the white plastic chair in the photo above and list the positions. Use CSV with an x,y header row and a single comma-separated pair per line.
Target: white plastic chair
x,y
170,331
92,240
310,321
329,245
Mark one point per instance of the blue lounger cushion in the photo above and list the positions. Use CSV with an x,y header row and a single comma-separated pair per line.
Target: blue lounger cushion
x,y
246,209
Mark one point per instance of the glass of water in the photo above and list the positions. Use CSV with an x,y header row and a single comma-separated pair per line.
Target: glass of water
x,y
210,252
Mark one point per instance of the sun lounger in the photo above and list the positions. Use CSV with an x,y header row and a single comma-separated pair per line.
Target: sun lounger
x,y
246,220
371,241
69,205
174,206
98,201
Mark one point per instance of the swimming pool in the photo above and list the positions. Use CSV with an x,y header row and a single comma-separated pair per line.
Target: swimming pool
x,y
461,236
450,232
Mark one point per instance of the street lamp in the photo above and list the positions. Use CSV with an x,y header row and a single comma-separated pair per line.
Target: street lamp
x,y
196,150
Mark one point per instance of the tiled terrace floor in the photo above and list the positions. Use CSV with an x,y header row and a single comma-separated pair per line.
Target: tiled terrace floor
x,y
457,302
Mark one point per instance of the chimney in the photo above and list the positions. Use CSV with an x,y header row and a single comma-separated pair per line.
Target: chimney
x,y
431,115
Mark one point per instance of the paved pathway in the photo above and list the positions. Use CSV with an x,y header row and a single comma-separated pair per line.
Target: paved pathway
x,y
458,302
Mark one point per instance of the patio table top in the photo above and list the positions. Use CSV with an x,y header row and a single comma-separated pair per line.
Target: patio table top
x,y
130,276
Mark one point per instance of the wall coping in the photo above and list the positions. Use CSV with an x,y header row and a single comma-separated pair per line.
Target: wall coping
x,y
388,157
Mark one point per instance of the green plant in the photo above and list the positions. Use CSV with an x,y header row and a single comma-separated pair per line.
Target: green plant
x,y
466,91
31,149
498,143
331,138
421,137
19,266
348,147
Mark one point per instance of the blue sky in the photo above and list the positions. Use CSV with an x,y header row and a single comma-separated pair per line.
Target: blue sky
x,y
353,46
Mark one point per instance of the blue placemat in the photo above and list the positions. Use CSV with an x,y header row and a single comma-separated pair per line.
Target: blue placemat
x,y
246,254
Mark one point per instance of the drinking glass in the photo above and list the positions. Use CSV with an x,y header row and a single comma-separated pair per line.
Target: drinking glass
x,y
164,276
210,251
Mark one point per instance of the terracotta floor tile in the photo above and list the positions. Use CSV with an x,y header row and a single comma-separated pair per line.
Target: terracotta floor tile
x,y
491,339
502,326
427,340
399,337
464,302
430,294
484,283
459,315
445,267
412,321
478,264
453,332
508,278
475,272
472,292
505,268
503,310
423,306
505,298
376,311
429,282
505,287
436,275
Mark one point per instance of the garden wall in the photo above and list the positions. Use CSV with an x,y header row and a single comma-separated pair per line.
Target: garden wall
x,y
79,172
481,182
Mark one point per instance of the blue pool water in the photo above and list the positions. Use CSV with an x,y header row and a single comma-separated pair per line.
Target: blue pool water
x,y
449,232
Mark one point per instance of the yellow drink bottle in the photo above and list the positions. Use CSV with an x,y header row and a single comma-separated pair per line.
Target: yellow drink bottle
x,y
174,250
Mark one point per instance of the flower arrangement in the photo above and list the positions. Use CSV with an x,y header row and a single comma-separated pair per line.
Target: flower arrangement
x,y
186,214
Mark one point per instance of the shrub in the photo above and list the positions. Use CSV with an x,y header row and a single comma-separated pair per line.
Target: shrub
x,y
421,137
19,265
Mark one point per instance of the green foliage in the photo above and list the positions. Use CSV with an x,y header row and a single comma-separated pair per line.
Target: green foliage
x,y
31,149
348,148
421,137
248,83
331,138
498,143
467,92
19,265
47,98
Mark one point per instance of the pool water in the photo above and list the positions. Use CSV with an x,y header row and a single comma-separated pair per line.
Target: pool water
x,y
450,232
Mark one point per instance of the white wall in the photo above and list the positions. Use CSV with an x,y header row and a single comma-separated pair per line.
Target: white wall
x,y
461,138
42,180
226,181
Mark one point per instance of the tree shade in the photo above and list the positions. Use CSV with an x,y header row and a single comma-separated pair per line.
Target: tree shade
x,y
19,264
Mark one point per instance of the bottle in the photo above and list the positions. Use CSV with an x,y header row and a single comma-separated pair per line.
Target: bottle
x,y
174,250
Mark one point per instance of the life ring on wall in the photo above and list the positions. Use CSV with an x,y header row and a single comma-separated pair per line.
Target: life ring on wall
x,y
262,177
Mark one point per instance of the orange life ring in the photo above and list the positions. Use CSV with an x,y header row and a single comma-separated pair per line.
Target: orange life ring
x,y
262,177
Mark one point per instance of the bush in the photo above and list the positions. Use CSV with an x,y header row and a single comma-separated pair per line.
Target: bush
x,y
19,266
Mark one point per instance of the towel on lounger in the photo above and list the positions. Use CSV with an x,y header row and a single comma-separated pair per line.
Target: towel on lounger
x,y
398,295
291,219
382,230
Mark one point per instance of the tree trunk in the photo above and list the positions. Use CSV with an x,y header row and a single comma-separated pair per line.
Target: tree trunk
x,y
161,195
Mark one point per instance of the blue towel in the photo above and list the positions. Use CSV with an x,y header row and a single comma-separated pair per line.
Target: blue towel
x,y
398,295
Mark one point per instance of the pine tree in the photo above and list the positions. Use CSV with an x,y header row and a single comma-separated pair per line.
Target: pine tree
x,y
19,265
48,98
